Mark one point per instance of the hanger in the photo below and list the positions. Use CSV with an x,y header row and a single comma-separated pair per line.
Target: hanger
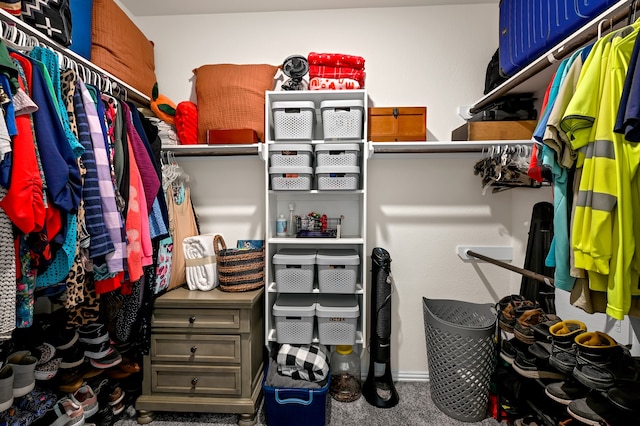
x,y
632,12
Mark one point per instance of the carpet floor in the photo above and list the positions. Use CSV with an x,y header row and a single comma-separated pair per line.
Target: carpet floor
x,y
415,408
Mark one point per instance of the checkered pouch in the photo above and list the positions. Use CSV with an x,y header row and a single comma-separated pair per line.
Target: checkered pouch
x,y
51,17
303,362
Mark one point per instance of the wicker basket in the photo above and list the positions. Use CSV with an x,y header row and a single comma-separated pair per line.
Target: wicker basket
x,y
239,269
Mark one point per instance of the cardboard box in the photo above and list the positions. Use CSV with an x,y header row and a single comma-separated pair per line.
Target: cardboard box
x,y
494,130
397,124
232,136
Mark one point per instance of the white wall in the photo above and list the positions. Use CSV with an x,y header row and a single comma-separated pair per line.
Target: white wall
x,y
420,208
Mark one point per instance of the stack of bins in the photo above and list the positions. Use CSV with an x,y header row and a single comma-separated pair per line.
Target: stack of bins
x,y
294,315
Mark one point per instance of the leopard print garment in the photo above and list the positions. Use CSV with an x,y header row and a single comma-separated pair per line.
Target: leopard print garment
x,y
68,80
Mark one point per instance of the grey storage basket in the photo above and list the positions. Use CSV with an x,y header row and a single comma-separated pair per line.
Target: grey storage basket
x,y
461,355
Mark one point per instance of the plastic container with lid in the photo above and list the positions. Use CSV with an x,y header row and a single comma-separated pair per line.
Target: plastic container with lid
x,y
345,372
294,270
294,314
337,270
337,318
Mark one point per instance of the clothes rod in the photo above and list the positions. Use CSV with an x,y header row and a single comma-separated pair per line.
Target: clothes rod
x,y
613,16
130,92
527,273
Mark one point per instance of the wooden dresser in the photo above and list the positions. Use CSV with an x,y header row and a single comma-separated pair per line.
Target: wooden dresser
x,y
206,354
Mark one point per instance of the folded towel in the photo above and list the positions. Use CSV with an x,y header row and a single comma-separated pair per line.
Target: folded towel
x,y
336,60
321,83
200,262
337,72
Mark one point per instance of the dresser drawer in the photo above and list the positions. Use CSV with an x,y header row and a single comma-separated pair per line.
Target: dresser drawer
x,y
196,319
195,380
195,348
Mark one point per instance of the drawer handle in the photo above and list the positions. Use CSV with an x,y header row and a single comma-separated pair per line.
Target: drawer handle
x,y
194,349
194,381
192,319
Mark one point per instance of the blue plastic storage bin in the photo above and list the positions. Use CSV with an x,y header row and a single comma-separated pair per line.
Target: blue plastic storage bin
x,y
529,28
286,406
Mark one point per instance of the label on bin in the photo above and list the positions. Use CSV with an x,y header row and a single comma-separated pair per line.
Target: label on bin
x,y
337,319
289,175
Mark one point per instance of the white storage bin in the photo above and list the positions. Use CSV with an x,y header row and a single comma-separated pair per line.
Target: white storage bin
x,y
342,119
293,120
290,155
294,315
337,177
290,178
337,154
337,270
294,270
337,319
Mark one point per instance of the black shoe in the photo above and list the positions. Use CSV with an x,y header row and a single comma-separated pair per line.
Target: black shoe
x,y
625,395
595,410
566,391
532,367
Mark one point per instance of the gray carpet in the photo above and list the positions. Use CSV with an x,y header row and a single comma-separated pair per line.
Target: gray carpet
x,y
414,409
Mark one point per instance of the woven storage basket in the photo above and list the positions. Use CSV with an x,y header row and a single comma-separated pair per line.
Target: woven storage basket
x,y
461,355
239,269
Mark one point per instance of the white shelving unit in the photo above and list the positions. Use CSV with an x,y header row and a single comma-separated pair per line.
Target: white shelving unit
x,y
334,203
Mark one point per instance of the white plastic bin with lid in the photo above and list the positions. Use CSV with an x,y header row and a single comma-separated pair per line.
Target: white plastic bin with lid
x,y
291,178
294,316
293,120
337,178
337,318
342,119
290,154
337,154
294,270
337,270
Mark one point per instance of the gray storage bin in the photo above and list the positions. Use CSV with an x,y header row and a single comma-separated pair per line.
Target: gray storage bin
x,y
337,319
294,317
461,356
291,178
294,270
337,270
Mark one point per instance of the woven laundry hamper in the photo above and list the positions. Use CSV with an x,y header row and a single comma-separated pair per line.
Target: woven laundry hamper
x,y
461,356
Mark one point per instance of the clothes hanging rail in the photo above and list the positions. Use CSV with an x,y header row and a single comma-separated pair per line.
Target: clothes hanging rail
x,y
89,72
523,81
527,273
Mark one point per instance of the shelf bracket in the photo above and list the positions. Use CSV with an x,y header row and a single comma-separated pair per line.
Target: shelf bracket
x,y
504,253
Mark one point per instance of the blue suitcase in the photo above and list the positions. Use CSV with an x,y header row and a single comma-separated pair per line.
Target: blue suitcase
x,y
528,28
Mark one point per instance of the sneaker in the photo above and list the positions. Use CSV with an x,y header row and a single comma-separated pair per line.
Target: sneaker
x,y
111,359
85,397
97,350
104,416
600,361
48,370
71,357
93,333
44,353
523,330
57,416
566,391
532,367
625,395
595,410
116,395
508,349
64,338
6,387
73,410
563,349
24,378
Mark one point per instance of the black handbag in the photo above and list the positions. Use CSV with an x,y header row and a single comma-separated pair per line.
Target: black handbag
x,y
51,17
